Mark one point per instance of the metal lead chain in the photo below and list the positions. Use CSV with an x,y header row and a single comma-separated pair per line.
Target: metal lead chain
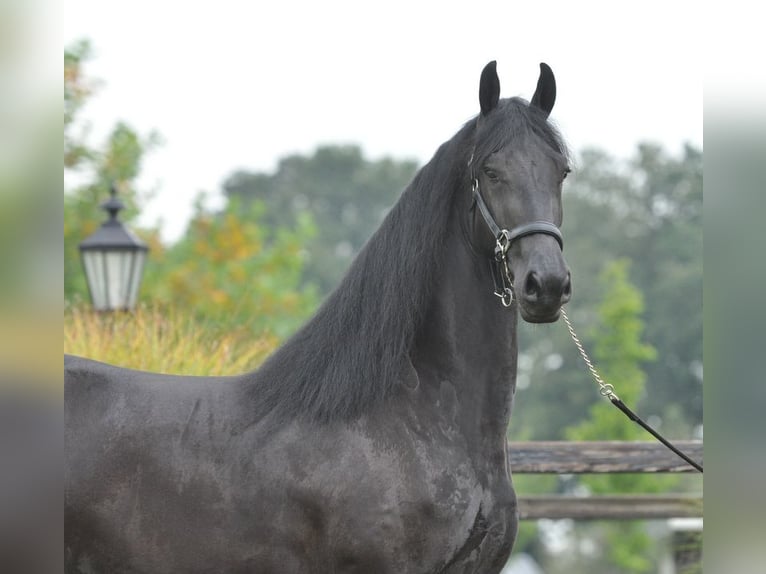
x,y
605,389
508,290
505,291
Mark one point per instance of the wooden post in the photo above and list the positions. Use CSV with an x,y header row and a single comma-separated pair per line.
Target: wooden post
x,y
687,544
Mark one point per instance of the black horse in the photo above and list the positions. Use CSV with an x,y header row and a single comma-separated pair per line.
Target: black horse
x,y
374,440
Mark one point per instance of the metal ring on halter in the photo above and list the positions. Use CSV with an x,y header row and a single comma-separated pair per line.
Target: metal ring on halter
x,y
607,390
506,297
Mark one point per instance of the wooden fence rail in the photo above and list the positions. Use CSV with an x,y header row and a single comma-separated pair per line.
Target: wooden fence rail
x,y
614,507
601,458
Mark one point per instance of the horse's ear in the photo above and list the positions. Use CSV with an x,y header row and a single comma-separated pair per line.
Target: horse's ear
x,y
545,94
489,88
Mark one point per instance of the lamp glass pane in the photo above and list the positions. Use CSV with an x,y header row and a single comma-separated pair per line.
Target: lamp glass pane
x,y
136,273
118,278
95,273
113,277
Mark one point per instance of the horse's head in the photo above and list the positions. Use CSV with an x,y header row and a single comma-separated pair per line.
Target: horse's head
x,y
517,168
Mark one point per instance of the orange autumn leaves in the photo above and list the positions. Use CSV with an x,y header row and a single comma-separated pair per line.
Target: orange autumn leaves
x,y
232,268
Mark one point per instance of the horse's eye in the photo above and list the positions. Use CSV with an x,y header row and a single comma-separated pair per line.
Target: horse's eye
x,y
491,174
567,171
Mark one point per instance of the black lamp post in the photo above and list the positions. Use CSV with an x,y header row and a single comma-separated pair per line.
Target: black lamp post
x,y
113,259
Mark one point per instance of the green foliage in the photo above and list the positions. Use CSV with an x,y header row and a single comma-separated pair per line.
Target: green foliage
x,y
656,221
528,535
232,270
117,160
620,353
346,194
647,210
77,90
616,338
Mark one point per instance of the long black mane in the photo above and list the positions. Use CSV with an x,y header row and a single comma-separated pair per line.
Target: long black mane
x,y
353,352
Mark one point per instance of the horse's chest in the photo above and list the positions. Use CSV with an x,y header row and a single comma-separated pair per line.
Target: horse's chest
x,y
450,519
484,534
363,503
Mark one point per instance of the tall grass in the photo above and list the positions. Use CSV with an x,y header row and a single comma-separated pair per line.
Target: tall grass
x,y
164,341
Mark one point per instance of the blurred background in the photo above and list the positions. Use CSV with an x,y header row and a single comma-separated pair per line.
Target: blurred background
x,y
258,146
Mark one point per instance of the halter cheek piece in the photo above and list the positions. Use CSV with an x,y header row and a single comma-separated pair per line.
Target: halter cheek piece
x,y
501,274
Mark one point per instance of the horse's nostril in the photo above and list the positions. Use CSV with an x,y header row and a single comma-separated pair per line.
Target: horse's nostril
x,y
567,291
532,287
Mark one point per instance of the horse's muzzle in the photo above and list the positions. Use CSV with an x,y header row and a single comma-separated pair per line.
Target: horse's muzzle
x,y
541,295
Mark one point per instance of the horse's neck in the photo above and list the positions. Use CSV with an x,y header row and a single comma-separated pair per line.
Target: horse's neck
x,y
467,344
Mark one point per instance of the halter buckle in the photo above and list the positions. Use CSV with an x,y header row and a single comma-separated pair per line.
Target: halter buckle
x,y
502,243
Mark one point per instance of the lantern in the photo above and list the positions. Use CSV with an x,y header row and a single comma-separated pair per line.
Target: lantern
x,y
113,259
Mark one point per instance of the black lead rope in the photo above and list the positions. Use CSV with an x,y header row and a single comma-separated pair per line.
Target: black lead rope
x,y
607,391
616,401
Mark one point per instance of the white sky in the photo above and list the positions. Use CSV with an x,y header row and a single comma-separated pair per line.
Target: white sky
x,y
236,84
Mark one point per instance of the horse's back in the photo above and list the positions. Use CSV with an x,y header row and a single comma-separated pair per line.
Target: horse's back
x,y
107,404
115,409
94,390
140,447
166,474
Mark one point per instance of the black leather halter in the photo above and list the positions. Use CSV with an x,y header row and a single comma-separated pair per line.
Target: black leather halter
x,y
501,274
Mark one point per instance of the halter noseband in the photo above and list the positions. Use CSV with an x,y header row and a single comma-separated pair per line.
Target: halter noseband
x,y
501,274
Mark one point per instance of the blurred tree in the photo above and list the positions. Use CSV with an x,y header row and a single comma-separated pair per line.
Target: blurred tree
x,y
657,202
118,160
620,354
647,209
668,265
346,194
231,270
77,89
